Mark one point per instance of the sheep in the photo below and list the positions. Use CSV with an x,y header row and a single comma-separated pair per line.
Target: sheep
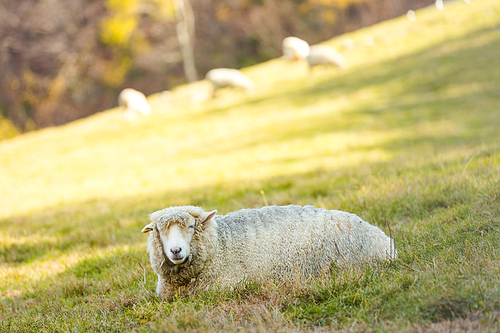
x,y
369,41
411,15
295,48
325,55
439,4
348,43
228,77
134,103
194,249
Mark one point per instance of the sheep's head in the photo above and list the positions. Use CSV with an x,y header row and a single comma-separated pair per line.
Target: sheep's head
x,y
176,228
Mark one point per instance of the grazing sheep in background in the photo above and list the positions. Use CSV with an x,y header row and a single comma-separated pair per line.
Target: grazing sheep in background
x,y
295,48
227,77
411,15
348,43
134,103
192,248
322,55
369,41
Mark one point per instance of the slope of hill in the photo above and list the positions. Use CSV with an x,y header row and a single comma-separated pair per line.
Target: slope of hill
x,y
407,138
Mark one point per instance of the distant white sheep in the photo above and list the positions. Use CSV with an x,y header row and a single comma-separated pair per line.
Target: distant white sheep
x,y
195,249
348,43
228,77
369,41
411,15
324,55
134,103
295,48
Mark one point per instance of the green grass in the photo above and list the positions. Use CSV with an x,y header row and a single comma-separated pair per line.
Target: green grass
x,y
407,138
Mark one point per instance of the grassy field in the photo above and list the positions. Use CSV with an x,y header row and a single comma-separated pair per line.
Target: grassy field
x,y
408,138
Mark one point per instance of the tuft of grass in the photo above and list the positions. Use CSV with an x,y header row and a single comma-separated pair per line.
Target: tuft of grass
x,y
407,138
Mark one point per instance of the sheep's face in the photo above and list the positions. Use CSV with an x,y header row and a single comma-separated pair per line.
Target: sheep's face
x,y
176,230
176,239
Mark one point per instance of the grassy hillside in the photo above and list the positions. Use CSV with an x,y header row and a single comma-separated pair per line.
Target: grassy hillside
x,y
407,138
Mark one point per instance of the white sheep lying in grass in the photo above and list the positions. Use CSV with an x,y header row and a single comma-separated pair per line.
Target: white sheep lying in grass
x,y
228,77
134,103
295,48
192,248
325,55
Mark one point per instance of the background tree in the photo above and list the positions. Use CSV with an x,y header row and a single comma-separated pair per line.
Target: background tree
x,y
185,29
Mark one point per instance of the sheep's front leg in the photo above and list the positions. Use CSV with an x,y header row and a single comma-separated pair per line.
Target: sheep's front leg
x,y
162,288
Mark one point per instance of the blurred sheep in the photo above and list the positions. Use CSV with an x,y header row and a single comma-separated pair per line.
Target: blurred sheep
x,y
369,41
295,48
323,55
411,15
228,77
348,43
134,103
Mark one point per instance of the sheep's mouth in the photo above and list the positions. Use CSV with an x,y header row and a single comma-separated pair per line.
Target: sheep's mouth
x,y
178,261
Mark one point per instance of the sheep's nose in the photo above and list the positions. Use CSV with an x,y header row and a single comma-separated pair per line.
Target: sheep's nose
x,y
175,250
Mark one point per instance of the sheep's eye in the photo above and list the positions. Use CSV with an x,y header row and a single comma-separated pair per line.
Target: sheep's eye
x,y
191,227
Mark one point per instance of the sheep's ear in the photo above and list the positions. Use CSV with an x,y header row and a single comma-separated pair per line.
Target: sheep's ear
x,y
148,228
208,218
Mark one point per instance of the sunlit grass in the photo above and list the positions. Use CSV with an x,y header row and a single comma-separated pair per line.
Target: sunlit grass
x,y
407,138
331,114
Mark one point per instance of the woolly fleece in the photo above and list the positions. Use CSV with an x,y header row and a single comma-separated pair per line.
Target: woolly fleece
x,y
274,242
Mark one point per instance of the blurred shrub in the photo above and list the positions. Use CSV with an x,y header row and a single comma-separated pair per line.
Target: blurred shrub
x,y
7,129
